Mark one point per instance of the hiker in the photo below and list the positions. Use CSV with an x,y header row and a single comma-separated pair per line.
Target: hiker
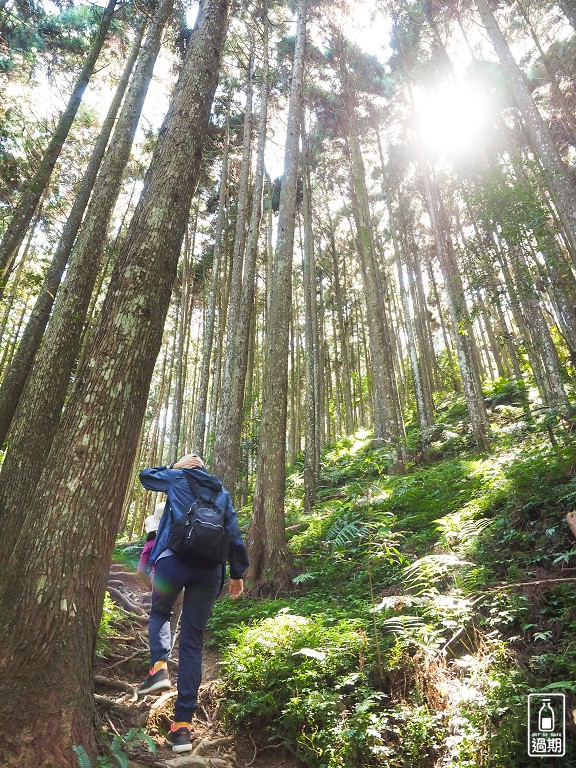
x,y
151,526
185,482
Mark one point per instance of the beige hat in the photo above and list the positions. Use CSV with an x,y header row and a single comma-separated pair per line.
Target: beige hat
x,y
151,523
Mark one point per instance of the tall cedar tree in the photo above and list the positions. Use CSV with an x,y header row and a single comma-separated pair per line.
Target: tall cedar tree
x,y
52,589
267,535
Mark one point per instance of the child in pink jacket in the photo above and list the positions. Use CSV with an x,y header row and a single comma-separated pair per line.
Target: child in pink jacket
x,y
151,526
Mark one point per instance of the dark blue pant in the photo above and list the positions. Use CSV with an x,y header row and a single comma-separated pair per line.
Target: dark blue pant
x,y
201,587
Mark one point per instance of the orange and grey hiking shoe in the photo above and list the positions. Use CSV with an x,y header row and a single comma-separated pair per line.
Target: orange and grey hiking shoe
x,y
156,681
178,737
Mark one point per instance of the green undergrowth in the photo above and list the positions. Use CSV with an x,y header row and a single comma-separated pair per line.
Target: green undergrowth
x,y
410,637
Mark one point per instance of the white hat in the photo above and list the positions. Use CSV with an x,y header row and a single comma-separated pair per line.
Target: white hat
x,y
151,523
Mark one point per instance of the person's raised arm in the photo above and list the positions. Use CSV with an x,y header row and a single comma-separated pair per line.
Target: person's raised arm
x,y
159,478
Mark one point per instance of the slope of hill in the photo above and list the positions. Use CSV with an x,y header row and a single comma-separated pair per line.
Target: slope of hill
x,y
426,608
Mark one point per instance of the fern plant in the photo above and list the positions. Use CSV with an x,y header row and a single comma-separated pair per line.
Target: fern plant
x,y
82,757
347,529
425,573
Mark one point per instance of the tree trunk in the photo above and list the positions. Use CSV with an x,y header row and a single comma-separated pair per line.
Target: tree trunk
x,y
313,350
460,319
267,536
242,203
424,404
15,377
342,332
569,10
47,385
210,320
62,552
559,97
231,412
24,211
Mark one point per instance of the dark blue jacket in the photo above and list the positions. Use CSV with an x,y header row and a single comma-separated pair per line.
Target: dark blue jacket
x,y
174,484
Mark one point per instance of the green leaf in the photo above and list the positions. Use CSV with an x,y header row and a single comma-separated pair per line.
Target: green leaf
x,y
83,759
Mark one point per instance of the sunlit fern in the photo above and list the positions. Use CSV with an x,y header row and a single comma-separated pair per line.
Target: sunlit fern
x,y
306,576
426,572
403,624
394,602
459,531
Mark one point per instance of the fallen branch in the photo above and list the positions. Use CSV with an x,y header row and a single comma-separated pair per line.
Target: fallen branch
x,y
534,583
124,659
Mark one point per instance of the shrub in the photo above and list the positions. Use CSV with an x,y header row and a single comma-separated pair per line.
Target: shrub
x,y
307,681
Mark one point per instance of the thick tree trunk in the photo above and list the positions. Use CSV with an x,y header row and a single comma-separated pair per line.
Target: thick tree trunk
x,y
15,377
267,536
24,211
46,387
62,553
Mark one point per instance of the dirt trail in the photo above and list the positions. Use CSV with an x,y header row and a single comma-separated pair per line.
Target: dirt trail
x,y
125,666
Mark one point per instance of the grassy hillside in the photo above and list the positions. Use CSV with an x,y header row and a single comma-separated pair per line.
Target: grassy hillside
x,y
411,637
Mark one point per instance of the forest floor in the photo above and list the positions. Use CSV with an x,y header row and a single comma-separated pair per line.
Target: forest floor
x,y
132,723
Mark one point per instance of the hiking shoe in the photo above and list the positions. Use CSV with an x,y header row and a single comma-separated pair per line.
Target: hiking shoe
x,y
179,740
155,682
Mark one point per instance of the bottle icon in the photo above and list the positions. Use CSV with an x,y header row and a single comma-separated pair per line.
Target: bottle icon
x,y
546,717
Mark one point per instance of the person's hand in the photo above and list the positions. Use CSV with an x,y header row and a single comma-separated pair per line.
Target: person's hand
x,y
191,461
235,588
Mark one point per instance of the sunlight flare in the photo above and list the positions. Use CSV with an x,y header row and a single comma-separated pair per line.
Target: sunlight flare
x,y
451,119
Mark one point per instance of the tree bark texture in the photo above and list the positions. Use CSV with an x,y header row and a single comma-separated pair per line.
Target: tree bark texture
x,y
61,554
